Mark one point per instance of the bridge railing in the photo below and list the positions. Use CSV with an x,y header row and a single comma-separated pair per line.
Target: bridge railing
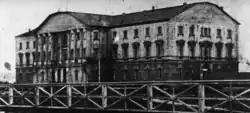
x,y
161,96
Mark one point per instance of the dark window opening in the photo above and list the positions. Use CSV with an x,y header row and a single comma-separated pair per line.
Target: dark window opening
x,y
159,31
136,33
34,56
192,51
21,59
64,41
219,33
72,54
147,32
205,32
96,35
114,35
136,52
115,52
83,52
77,53
136,74
160,73
20,46
191,30
125,34
76,76
95,53
160,50
180,30
218,52
34,44
78,35
49,55
125,75
229,52
27,45
181,52
147,51
229,34
125,52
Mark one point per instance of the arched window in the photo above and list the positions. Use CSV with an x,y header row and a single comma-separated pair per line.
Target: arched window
x,y
20,59
159,72
148,73
42,77
125,74
64,75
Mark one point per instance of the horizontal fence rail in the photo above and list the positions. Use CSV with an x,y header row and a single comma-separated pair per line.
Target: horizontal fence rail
x,y
200,96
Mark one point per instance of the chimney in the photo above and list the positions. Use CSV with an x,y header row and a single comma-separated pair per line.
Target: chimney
x,y
123,14
221,7
185,3
29,30
153,8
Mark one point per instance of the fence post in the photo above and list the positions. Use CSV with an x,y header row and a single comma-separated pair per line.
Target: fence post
x,y
104,96
150,96
201,94
69,95
11,95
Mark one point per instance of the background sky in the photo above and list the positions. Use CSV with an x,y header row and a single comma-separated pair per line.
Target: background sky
x,y
17,16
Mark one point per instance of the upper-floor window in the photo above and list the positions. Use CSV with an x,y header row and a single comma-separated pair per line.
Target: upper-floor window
x,y
229,34
125,52
191,30
76,75
205,32
78,35
20,46
219,33
38,56
159,50
27,55
136,52
34,56
64,41
147,32
115,52
77,53
218,52
159,30
125,34
180,30
20,59
43,40
49,55
72,54
95,53
27,45
136,33
96,35
147,51
114,35
34,44
180,50
192,51
83,52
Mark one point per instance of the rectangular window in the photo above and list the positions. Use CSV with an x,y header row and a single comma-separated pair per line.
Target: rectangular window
x,y
49,55
136,52
180,30
96,35
78,35
95,54
191,30
125,52
160,50
159,30
147,32
114,35
229,34
77,53
27,45
136,33
34,57
83,52
219,33
20,46
125,34
147,51
34,44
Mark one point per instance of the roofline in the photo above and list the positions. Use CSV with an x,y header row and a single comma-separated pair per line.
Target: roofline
x,y
112,26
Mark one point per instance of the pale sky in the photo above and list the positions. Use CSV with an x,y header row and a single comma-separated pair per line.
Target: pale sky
x,y
17,16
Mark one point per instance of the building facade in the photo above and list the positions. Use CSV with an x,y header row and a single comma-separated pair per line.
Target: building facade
x,y
159,44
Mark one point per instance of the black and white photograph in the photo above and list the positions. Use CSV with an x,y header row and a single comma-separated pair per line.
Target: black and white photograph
x,y
124,56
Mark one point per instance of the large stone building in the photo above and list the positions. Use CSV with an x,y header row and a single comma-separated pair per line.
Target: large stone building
x,y
157,44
